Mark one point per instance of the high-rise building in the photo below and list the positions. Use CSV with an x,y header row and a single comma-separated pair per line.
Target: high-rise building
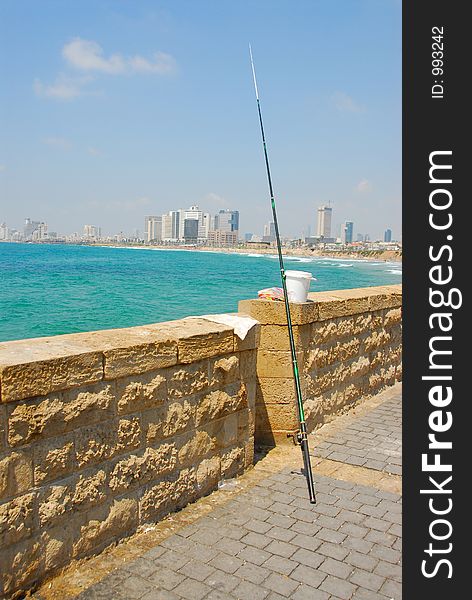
x,y
92,233
269,232
29,228
248,237
173,226
40,233
153,228
388,235
4,233
227,220
190,230
324,221
347,231
204,227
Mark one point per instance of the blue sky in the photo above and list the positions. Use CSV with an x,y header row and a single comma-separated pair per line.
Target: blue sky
x,y
113,110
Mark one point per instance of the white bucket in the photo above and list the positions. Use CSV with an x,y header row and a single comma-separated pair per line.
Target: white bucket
x,y
298,284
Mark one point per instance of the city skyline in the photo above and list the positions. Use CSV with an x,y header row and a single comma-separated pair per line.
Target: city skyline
x,y
113,110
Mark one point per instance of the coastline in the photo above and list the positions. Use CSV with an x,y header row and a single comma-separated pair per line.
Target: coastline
x,y
362,255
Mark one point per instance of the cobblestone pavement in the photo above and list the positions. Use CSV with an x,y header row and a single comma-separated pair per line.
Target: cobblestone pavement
x,y
269,543
373,441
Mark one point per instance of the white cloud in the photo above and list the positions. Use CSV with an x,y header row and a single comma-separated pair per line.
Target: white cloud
x,y
3,168
345,103
64,88
93,151
57,142
364,186
87,55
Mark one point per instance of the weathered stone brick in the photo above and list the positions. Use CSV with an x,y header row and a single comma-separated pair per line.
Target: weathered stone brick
x,y
232,461
203,339
248,365
106,523
141,392
224,370
57,544
208,473
37,367
16,519
276,337
95,444
277,364
54,458
22,564
269,312
16,473
187,380
155,500
3,427
195,446
57,413
171,419
219,403
142,467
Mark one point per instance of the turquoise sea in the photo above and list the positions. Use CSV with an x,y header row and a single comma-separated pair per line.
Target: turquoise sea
x,y
50,289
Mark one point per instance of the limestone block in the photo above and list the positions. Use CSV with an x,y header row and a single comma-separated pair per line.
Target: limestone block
x,y
332,401
245,427
171,419
106,523
398,372
3,427
57,502
57,544
22,564
140,358
277,363
388,299
95,444
16,519
141,392
187,380
313,412
376,340
274,390
360,366
57,413
89,489
329,306
276,337
208,473
129,435
195,445
248,365
142,467
54,458
16,473
352,392
276,417
232,461
392,317
201,339
184,489
269,312
250,342
224,370
37,367
323,332
155,501
249,453
219,403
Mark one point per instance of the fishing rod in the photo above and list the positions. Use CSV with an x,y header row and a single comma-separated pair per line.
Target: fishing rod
x,y
302,434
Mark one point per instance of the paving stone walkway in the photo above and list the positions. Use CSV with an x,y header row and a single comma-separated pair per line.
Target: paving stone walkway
x,y
270,543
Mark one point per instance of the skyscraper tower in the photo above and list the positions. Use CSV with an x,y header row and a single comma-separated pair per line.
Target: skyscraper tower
x,y
324,221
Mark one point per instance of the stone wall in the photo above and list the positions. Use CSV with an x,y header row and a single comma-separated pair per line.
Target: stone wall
x,y
104,432
101,433
348,346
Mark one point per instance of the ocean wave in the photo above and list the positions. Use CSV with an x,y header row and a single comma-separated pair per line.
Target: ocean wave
x,y
344,265
394,271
